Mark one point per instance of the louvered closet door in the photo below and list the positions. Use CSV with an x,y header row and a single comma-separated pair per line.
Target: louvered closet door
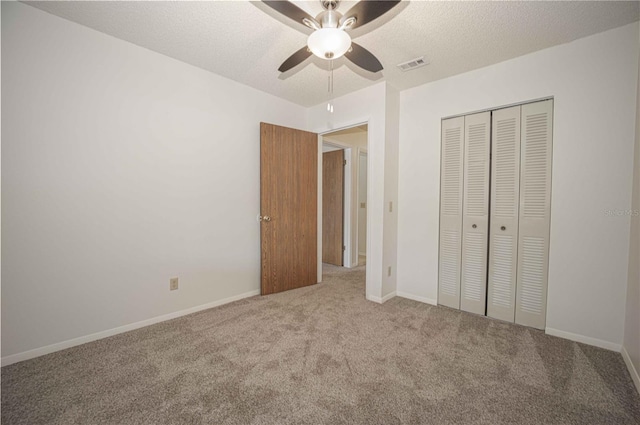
x,y
505,188
451,212
475,211
535,211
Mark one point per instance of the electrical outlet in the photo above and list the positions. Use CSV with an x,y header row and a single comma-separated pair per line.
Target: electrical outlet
x,y
173,283
389,271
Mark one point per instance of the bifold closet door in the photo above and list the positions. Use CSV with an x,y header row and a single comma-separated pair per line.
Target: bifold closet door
x,y
451,179
505,188
475,212
535,212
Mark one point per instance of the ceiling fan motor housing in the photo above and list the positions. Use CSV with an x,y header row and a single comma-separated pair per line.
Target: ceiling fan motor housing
x,y
329,18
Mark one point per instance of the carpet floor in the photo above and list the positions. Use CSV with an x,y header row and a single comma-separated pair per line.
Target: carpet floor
x,y
324,355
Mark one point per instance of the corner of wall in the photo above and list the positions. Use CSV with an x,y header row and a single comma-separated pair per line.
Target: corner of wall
x,y
390,238
631,341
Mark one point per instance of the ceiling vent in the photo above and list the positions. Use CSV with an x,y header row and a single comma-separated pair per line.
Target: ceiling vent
x,y
413,64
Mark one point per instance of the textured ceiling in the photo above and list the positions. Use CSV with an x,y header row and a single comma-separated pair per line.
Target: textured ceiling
x,y
247,41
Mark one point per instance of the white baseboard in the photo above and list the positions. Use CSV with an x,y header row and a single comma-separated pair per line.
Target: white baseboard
x,y
632,369
380,300
584,339
417,298
388,296
37,352
374,299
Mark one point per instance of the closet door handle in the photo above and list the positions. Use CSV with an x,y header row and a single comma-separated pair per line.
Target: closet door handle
x,y
474,226
503,228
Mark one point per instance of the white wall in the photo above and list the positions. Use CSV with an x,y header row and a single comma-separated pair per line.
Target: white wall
x,y
0,201
363,106
390,240
631,343
121,168
593,82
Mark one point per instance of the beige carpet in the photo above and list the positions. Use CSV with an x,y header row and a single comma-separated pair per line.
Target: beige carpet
x,y
324,355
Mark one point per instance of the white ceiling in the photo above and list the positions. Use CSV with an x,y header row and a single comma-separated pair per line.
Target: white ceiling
x,y
247,41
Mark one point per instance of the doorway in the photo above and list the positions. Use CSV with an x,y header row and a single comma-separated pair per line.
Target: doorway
x,y
352,144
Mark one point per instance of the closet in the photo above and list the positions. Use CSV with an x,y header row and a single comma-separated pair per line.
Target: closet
x,y
495,195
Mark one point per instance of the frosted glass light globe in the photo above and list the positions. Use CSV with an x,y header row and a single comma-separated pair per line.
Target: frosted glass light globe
x,y
329,43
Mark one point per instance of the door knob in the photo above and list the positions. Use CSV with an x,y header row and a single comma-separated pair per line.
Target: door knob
x,y
474,226
503,228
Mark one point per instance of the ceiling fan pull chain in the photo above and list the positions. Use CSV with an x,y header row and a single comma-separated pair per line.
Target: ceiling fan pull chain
x,y
330,87
331,65
329,91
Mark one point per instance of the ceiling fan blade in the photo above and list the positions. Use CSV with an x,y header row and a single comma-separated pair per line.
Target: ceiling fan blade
x,y
363,58
295,59
289,10
366,11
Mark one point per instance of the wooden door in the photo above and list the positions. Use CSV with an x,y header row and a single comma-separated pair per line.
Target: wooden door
x,y
288,208
332,207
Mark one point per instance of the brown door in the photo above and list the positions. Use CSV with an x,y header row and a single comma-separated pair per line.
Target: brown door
x,y
332,206
288,208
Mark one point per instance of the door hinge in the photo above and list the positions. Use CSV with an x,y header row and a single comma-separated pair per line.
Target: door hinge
x,y
344,248
344,162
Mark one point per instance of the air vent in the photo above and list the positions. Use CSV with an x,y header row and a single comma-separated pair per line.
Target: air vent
x,y
413,64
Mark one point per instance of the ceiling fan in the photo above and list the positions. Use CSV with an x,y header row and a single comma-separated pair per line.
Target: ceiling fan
x,y
330,38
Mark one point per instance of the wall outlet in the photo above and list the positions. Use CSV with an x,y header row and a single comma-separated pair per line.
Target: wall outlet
x,y
389,271
173,283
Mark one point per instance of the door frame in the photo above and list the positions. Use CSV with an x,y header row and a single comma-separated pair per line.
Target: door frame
x,y
350,244
359,153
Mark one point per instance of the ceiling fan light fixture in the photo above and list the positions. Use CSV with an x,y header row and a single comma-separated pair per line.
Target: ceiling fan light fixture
x,y
329,43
